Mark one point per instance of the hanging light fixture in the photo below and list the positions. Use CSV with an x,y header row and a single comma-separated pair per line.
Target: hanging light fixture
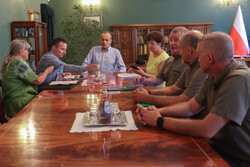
x,y
228,2
90,2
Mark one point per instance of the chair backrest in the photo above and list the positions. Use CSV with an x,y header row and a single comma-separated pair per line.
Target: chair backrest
x,y
2,114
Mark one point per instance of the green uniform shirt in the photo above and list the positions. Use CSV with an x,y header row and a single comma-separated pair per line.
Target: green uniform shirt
x,y
228,96
191,79
172,70
17,86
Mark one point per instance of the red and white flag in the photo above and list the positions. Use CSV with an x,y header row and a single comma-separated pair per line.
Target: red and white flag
x,y
239,36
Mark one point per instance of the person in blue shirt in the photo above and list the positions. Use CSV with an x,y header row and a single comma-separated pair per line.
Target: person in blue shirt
x,y
52,58
109,58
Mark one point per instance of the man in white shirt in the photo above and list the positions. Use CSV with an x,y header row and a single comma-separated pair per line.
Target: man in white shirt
x,y
109,58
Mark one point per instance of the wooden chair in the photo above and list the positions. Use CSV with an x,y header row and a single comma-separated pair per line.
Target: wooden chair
x,y
2,114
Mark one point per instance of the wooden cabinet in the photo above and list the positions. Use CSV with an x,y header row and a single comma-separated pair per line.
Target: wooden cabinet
x,y
35,33
131,39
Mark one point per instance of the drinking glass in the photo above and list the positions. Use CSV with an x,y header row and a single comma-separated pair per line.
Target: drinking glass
x,y
93,114
115,113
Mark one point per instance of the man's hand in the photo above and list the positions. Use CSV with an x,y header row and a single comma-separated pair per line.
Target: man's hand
x,y
138,111
140,95
49,69
91,67
66,74
148,115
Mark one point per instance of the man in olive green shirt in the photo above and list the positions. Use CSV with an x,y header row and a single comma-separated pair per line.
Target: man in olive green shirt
x,y
189,82
225,93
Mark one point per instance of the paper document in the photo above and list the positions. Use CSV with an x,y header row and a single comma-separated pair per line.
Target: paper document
x,y
71,77
84,82
63,82
127,75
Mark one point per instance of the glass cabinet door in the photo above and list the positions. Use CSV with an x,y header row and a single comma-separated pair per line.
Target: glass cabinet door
x,y
142,49
40,42
167,40
32,55
35,34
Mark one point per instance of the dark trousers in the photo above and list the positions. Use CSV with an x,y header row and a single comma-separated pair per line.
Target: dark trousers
x,y
232,161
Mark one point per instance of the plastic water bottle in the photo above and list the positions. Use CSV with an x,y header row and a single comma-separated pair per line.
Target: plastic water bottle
x,y
59,73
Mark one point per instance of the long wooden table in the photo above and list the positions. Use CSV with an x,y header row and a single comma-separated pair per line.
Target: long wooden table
x,y
39,136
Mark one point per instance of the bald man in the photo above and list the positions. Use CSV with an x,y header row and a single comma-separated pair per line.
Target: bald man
x,y
187,85
109,58
226,94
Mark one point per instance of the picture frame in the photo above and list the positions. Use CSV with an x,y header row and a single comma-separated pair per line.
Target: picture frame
x,y
97,18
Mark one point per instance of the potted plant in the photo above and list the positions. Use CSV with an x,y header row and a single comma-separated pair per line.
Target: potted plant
x,y
81,35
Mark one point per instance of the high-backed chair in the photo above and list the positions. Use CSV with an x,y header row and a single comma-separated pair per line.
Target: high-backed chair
x,y
2,114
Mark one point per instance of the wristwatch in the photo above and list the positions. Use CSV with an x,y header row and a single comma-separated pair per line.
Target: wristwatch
x,y
160,122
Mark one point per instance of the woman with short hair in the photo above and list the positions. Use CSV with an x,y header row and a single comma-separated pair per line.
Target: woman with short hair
x,y
19,82
157,55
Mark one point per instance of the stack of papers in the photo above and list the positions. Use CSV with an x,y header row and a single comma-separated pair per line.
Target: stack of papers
x,y
71,77
84,82
128,75
63,82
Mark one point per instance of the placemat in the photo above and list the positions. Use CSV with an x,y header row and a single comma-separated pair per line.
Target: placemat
x,y
78,124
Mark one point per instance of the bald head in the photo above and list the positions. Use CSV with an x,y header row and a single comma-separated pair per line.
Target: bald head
x,y
220,44
188,43
191,38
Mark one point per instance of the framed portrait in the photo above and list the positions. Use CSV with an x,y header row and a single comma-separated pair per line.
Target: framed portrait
x,y
97,18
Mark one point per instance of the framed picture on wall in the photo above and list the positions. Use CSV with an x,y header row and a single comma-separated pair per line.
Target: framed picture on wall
x,y
97,18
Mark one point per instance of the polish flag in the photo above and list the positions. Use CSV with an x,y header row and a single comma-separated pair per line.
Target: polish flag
x,y
239,36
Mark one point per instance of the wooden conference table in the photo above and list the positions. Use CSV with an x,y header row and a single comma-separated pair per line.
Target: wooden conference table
x,y
39,136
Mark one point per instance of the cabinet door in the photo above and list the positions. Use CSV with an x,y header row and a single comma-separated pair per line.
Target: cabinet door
x,y
202,29
141,44
125,42
35,33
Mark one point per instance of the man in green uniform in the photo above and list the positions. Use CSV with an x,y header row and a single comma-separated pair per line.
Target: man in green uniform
x,y
187,85
225,93
173,66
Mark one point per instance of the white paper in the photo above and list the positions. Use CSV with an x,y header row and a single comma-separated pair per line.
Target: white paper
x,y
114,92
84,82
78,124
72,76
63,82
127,75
